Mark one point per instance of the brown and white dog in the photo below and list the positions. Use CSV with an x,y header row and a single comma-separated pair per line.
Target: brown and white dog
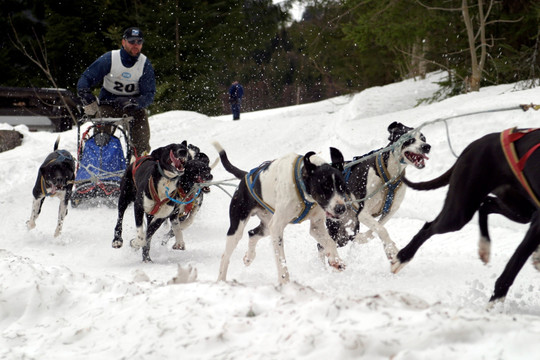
x,y
375,184
287,190
55,178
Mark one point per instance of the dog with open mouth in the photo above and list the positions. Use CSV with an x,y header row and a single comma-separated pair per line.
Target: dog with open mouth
x,y
55,179
375,182
160,186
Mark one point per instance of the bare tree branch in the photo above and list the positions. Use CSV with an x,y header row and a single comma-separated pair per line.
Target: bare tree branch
x,y
42,63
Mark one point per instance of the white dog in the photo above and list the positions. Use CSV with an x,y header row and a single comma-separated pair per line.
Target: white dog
x,y
290,189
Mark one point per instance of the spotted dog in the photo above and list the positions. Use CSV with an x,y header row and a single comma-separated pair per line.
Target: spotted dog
x,y
376,177
55,179
160,186
287,190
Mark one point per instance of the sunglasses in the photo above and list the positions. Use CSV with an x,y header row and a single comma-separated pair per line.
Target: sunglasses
x,y
138,42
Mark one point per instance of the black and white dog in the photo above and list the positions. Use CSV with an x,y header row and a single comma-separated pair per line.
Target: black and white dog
x,y
287,190
161,185
487,166
55,178
375,184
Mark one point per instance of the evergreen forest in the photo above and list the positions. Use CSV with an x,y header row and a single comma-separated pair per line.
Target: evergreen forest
x,y
337,47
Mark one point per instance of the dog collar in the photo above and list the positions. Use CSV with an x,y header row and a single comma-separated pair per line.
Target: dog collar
x,y
164,175
301,190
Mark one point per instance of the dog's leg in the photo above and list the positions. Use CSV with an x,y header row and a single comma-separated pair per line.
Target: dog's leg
x,y
177,227
140,239
36,210
524,250
536,258
62,212
390,248
504,205
484,243
327,246
184,223
125,198
254,236
459,207
276,228
234,234
153,225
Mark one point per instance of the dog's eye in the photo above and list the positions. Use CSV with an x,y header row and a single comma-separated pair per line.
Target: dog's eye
x,y
408,142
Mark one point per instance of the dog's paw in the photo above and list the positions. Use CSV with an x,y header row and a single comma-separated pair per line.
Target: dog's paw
x,y
184,276
337,264
117,243
249,257
396,266
57,232
484,250
179,246
30,224
137,243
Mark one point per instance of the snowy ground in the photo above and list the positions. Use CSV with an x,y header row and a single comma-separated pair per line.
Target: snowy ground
x,y
75,297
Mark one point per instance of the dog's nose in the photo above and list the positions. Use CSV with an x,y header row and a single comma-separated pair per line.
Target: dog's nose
x,y
340,209
426,148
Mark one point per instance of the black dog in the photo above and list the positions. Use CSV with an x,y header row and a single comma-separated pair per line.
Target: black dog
x,y
290,189
485,167
160,185
55,178
376,177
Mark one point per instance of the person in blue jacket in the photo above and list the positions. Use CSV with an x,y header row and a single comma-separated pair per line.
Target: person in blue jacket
x,y
128,87
236,91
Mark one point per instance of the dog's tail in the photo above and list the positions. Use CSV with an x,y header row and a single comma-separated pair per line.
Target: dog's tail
x,y
238,173
436,183
56,143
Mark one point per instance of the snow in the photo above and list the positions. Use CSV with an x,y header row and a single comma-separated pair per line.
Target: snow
x,y
75,297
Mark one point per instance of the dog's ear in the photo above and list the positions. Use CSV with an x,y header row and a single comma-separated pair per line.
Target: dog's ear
x,y
396,130
337,158
184,143
392,129
308,165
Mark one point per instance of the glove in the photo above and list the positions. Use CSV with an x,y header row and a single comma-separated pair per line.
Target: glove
x,y
126,104
86,96
91,109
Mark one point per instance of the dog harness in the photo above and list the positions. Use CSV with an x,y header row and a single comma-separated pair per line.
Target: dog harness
x,y
390,188
253,175
158,202
508,137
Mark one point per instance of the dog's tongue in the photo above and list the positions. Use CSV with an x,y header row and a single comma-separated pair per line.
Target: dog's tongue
x,y
419,160
53,189
175,161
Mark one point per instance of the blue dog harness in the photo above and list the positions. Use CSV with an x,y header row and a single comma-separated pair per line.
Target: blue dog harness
x,y
390,188
253,175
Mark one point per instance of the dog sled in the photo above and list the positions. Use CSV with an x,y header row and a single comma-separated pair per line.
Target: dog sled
x,y
101,160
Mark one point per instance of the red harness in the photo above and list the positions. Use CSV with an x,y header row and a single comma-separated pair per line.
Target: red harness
x,y
158,203
508,137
